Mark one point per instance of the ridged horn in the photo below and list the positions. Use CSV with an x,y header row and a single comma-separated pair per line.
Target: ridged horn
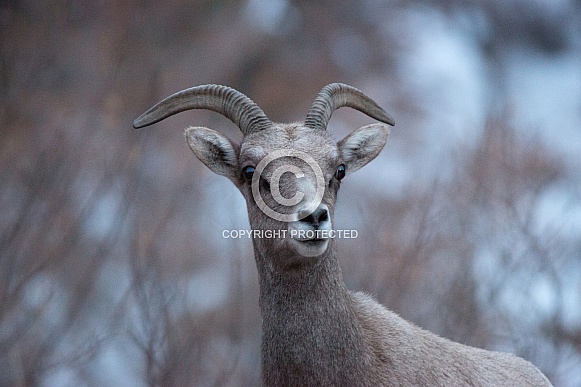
x,y
337,95
231,103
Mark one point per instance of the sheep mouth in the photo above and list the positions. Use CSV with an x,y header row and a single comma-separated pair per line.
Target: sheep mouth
x,y
312,242
310,247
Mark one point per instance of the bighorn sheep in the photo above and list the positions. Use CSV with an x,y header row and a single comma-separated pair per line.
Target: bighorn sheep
x,y
314,330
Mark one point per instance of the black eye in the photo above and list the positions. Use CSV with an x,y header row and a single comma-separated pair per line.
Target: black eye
x,y
248,172
340,172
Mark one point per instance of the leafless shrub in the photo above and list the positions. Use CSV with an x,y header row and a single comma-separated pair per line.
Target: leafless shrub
x,y
100,227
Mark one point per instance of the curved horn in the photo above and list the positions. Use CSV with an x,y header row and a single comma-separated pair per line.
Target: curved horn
x,y
337,95
231,103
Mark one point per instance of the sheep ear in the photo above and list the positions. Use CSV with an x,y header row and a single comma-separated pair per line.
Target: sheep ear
x,y
215,150
362,145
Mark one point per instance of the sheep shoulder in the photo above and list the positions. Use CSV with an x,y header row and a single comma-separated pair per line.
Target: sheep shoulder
x,y
405,354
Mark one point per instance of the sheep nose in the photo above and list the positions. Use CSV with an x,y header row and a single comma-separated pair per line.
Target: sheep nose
x,y
320,215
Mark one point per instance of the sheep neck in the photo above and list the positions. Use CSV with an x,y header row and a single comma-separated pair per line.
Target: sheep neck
x,y
310,333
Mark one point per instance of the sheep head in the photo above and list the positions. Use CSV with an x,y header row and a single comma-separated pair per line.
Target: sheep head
x,y
289,174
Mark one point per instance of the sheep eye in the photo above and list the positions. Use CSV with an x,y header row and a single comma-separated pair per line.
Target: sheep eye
x,y
248,172
340,174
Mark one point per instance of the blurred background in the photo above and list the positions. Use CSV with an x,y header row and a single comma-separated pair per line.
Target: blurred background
x,y
113,269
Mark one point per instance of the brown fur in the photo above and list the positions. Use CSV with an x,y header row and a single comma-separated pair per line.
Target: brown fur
x,y
315,332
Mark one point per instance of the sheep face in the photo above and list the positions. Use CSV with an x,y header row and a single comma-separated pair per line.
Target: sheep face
x,y
289,175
